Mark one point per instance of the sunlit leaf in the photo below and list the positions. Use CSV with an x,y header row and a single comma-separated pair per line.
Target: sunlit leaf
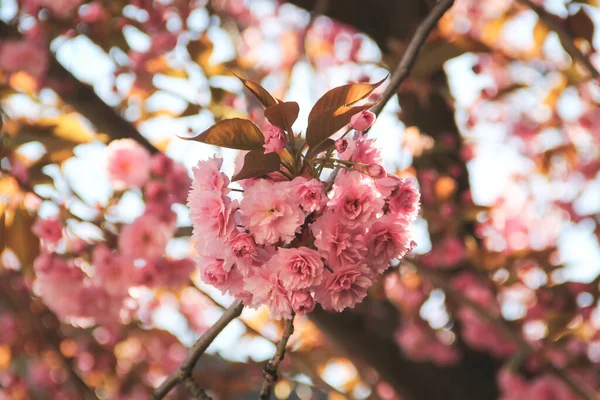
x,y
325,125
283,115
257,163
342,96
19,237
234,133
259,92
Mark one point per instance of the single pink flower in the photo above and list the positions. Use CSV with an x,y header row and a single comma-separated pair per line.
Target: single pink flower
x,y
267,289
310,193
244,250
343,288
298,268
387,184
128,163
146,238
388,238
23,55
157,192
405,200
362,150
208,178
356,201
302,302
212,214
212,273
178,183
362,121
160,164
114,272
274,140
49,230
339,244
270,213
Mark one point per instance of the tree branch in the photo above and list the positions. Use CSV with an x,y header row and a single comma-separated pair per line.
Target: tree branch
x,y
524,347
412,51
84,99
565,39
270,369
185,369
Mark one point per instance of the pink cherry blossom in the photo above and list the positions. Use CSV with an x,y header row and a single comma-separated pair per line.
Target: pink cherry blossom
x,y
211,214
146,238
244,250
49,230
341,145
178,183
302,302
343,288
269,212
405,200
363,150
298,268
310,193
388,238
160,164
23,55
339,244
128,163
267,289
355,201
274,140
376,171
362,121
213,273
113,272
208,178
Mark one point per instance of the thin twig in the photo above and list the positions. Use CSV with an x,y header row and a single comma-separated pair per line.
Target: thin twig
x,y
270,369
565,39
195,390
412,51
524,347
185,369
407,61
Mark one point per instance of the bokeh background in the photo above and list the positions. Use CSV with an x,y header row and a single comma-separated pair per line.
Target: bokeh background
x,y
498,123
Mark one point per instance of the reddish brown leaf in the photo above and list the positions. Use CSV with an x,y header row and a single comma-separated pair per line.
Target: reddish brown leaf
x,y
325,125
321,147
342,96
283,115
257,163
234,133
259,92
580,25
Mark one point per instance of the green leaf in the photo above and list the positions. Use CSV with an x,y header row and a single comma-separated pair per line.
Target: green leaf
x,y
341,97
283,115
234,133
259,92
257,163
325,125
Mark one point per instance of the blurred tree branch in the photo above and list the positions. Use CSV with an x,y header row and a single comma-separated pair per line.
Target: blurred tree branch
x,y
47,327
565,39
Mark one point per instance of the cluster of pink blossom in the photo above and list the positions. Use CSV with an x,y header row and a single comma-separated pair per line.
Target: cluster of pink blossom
x,y
289,244
542,387
100,278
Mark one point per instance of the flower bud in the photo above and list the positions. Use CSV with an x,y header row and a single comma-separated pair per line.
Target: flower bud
x,y
341,145
362,121
376,171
